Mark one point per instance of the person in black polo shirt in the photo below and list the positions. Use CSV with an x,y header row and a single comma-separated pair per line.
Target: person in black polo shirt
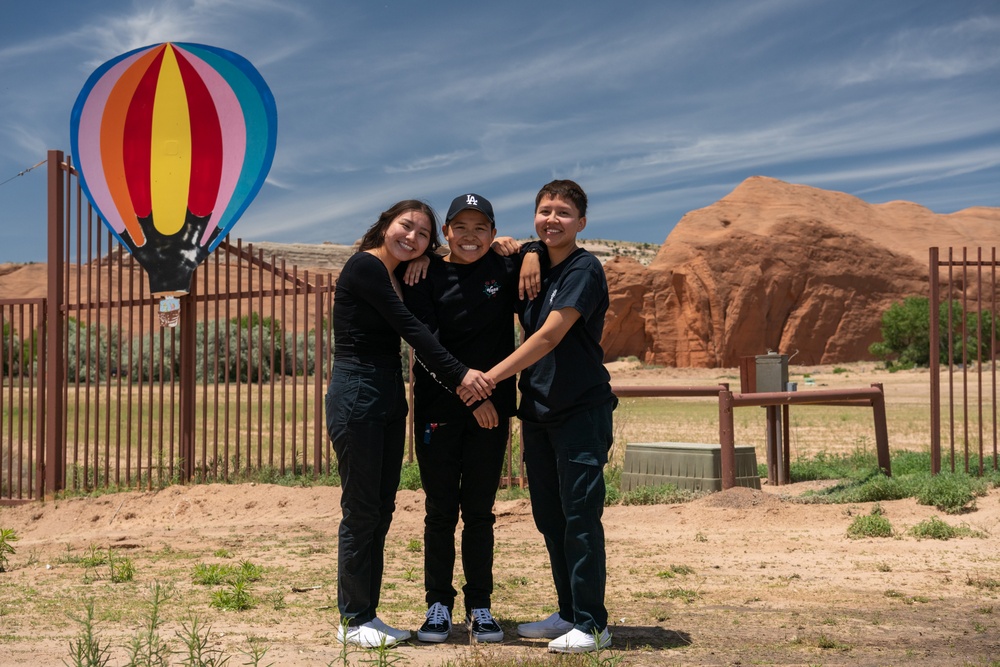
x,y
468,300
565,411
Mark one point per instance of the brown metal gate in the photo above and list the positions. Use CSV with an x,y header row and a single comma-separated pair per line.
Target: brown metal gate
x,y
963,293
115,400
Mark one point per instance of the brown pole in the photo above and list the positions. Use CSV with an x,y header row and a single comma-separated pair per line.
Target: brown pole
x,y
188,322
54,462
727,455
935,362
881,430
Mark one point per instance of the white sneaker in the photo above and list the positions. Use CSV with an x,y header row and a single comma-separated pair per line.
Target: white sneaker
x,y
366,635
395,633
576,641
550,628
437,627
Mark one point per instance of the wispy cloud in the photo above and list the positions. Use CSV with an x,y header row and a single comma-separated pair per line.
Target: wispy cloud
x,y
958,49
431,162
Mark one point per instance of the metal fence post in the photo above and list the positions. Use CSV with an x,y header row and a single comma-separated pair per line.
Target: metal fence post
x,y
188,385
935,362
54,458
727,453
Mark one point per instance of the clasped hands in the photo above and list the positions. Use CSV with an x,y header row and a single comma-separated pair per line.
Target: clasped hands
x,y
477,386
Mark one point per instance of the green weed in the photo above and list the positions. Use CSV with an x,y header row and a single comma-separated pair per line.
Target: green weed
x,y
7,538
122,568
86,649
211,574
936,529
196,636
146,646
658,495
675,570
235,597
409,477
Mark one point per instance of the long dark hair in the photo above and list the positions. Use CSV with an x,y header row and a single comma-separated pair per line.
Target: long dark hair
x,y
375,236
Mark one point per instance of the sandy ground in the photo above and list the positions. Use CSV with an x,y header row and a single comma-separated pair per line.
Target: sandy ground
x,y
735,578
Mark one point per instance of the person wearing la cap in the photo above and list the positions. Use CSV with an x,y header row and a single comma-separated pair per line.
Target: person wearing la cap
x,y
468,299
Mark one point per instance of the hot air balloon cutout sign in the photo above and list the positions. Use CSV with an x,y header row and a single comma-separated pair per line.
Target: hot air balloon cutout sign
x,y
173,141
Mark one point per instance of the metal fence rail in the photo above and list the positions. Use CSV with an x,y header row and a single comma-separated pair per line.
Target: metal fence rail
x,y
953,291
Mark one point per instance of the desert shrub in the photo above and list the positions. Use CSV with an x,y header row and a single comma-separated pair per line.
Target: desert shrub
x,y
873,524
409,477
936,529
612,485
952,493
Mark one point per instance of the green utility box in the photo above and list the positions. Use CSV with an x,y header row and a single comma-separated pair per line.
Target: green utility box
x,y
686,465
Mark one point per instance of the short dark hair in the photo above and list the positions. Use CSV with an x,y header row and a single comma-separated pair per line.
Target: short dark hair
x,y
564,189
375,236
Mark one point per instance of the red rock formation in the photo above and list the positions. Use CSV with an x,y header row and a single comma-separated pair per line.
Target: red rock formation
x,y
779,266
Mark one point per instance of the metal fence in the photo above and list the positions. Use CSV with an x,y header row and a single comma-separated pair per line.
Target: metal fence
x,y
963,337
96,393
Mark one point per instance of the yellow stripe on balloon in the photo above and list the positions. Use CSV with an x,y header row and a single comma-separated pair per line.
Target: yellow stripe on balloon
x,y
170,168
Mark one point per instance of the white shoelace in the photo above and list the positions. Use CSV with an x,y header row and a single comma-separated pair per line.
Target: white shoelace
x,y
438,614
483,616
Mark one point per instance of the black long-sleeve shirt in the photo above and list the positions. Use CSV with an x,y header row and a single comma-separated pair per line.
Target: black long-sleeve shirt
x,y
369,319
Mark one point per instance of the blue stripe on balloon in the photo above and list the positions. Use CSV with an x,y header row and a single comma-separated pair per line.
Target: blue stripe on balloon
x,y
261,118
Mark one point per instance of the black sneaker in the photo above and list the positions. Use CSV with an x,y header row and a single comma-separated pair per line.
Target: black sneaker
x,y
437,627
483,626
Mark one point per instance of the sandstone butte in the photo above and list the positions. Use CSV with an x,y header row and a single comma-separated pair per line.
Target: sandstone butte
x,y
783,267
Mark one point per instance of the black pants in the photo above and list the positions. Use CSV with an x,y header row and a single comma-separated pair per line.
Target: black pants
x,y
565,465
366,419
460,466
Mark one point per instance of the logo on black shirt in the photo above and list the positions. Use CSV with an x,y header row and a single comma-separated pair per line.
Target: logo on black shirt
x,y
491,288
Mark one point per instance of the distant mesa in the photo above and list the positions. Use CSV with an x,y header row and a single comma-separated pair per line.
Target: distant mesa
x,y
779,266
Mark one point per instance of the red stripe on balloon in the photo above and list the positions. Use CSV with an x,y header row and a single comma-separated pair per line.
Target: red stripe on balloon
x,y
137,149
206,141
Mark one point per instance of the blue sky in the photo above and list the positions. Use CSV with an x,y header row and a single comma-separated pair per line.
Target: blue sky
x,y
656,107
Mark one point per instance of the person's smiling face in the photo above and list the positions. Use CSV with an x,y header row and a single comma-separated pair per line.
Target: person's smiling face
x,y
469,235
557,222
408,235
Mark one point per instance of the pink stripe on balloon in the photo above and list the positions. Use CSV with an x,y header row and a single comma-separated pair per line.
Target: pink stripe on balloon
x,y
234,136
89,160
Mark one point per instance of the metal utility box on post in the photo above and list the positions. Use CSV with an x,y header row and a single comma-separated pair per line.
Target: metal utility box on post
x,y
772,372
772,376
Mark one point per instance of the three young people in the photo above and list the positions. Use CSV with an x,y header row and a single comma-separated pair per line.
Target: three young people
x,y
565,410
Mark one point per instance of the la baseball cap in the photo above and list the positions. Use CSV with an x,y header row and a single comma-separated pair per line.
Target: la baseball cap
x,y
473,201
